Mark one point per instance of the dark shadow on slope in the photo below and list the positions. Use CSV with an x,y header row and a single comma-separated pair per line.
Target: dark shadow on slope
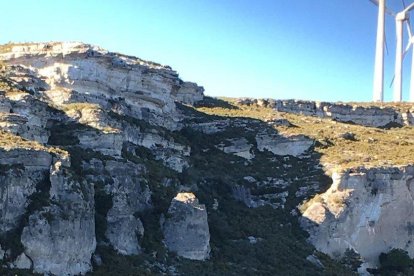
x,y
211,102
279,244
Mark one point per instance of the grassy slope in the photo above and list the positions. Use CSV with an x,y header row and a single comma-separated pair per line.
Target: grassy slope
x,y
372,147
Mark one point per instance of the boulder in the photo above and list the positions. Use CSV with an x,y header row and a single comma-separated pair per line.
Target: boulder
x,y
186,228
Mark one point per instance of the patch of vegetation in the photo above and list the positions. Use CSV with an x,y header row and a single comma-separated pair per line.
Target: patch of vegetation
x,y
210,102
115,264
395,262
11,141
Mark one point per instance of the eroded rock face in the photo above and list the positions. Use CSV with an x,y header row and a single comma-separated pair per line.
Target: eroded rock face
x,y
77,72
21,172
186,228
130,195
362,115
239,147
279,145
367,210
60,238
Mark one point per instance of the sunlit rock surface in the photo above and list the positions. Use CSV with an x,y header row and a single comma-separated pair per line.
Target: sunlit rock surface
x,y
279,145
77,72
368,210
372,116
60,238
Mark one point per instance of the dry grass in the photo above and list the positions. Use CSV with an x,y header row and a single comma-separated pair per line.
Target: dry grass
x,y
372,148
10,141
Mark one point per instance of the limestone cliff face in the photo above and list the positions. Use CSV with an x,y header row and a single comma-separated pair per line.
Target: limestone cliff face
x,y
372,116
77,72
60,238
367,210
21,172
75,122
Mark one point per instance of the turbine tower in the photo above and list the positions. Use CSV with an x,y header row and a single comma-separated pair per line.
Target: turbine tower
x,y
379,53
400,18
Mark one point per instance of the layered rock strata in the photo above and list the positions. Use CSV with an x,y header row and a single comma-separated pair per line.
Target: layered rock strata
x,y
77,72
372,116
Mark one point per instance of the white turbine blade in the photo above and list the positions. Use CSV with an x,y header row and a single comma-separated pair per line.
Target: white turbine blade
x,y
392,81
407,48
410,32
386,44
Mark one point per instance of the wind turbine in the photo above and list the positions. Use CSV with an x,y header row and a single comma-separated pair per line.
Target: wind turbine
x,y
379,53
400,18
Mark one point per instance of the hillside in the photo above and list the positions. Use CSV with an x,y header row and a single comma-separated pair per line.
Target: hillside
x,y
112,165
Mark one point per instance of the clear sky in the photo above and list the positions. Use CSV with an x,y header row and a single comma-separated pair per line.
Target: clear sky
x,y
319,49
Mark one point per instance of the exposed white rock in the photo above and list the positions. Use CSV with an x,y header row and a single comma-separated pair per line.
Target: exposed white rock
x,y
172,154
60,238
130,195
76,72
22,262
362,115
293,145
367,210
212,127
237,146
186,228
189,93
22,170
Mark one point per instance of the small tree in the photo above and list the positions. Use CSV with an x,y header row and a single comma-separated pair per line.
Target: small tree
x,y
395,260
351,260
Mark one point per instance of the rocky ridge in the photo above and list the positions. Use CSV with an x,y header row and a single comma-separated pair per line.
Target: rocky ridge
x,y
113,165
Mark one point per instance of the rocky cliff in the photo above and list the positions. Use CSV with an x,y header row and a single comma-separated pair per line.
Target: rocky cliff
x,y
365,210
112,165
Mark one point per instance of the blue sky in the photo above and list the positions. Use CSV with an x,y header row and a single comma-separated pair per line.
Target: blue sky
x,y
319,49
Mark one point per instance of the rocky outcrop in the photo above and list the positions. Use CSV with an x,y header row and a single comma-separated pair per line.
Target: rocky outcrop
x,y
279,145
130,196
372,116
238,146
367,210
21,171
77,72
186,228
60,237
22,262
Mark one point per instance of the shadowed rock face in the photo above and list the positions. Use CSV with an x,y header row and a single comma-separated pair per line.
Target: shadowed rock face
x,y
368,210
130,196
22,171
186,228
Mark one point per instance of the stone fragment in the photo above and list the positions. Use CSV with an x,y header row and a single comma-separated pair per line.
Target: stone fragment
x,y
22,262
